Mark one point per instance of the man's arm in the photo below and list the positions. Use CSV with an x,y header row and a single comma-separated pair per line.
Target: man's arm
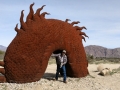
x,y
55,55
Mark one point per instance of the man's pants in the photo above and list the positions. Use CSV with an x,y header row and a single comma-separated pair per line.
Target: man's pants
x,y
58,70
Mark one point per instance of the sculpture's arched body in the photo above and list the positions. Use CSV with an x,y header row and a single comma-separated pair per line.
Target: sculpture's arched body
x,y
27,56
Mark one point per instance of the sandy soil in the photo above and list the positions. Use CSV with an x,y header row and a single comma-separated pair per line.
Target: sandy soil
x,y
90,82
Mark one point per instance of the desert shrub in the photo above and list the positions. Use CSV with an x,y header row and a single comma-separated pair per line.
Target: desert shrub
x,y
114,60
115,71
90,58
2,53
98,60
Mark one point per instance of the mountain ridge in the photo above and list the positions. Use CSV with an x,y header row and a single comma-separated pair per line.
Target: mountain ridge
x,y
3,48
100,51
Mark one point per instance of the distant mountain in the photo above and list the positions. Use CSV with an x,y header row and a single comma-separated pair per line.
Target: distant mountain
x,y
99,51
3,48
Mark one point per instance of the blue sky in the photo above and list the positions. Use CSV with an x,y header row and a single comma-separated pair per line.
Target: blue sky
x,y
101,18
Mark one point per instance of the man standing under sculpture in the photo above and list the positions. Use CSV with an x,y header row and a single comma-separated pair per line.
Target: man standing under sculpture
x,y
61,60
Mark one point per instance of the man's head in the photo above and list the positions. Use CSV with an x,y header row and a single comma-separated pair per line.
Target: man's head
x,y
64,51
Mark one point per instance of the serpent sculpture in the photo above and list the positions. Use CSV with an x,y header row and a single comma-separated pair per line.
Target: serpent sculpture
x,y
27,56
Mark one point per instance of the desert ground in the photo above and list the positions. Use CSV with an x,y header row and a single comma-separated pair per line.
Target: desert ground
x,y
94,81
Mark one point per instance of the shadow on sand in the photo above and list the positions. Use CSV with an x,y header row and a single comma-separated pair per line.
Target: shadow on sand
x,y
50,76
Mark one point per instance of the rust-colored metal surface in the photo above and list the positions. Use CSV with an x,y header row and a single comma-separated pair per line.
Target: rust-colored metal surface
x,y
27,56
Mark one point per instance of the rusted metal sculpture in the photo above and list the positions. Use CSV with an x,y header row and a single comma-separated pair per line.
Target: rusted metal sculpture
x,y
27,56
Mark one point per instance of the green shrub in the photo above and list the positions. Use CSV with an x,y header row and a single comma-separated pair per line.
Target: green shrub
x,y
2,53
99,60
115,71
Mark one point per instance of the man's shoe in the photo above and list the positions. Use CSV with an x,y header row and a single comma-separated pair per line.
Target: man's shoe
x,y
65,81
55,79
